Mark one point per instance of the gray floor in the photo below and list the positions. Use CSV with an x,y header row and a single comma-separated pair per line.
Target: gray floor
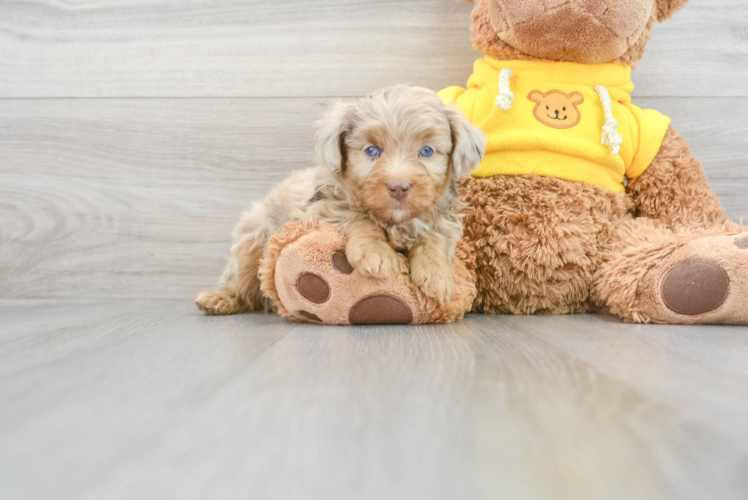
x,y
149,399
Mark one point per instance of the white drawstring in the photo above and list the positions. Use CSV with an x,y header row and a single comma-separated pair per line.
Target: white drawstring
x,y
611,137
505,98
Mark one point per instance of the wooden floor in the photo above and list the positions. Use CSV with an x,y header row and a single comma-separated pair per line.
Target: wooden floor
x,y
150,400
133,133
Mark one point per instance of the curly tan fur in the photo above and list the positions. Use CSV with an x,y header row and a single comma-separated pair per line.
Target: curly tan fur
x,y
463,271
375,184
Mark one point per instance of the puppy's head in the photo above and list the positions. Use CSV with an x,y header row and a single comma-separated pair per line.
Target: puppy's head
x,y
398,149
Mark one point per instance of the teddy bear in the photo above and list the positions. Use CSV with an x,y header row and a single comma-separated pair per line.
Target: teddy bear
x,y
583,203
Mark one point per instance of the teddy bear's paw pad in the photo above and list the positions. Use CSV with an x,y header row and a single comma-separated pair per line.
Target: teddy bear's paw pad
x,y
340,262
742,243
695,287
313,288
381,309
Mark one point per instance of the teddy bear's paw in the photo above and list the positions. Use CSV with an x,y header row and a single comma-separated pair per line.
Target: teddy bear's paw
x,y
706,281
316,283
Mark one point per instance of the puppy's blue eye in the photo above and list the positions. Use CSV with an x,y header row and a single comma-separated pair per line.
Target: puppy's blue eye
x,y
427,151
372,151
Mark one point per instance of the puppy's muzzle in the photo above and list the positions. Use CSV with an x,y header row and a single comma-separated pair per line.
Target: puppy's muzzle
x,y
398,189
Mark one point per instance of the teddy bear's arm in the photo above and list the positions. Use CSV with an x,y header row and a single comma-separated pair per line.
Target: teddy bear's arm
x,y
674,189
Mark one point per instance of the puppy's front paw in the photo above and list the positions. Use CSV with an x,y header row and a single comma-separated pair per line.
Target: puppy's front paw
x,y
434,278
376,259
219,302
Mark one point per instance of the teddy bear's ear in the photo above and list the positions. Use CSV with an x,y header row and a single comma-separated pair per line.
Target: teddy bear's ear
x,y
331,135
666,8
576,98
468,143
536,96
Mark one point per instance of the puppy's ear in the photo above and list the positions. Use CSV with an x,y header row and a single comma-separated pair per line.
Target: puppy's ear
x,y
468,144
666,8
331,131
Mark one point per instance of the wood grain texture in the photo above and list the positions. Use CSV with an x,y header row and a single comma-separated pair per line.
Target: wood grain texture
x,y
230,48
150,400
256,48
134,132
136,198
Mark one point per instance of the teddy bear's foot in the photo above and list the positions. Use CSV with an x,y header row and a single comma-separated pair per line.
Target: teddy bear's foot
x,y
704,280
309,278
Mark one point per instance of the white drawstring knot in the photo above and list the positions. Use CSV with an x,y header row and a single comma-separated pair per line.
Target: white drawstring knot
x,y
505,98
611,137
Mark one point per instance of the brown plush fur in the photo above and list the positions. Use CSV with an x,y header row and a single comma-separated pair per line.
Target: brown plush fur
x,y
677,212
549,246
643,250
554,246
674,189
537,241
666,8
572,30
486,40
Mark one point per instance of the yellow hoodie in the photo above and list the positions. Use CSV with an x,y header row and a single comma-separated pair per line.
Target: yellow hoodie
x,y
566,120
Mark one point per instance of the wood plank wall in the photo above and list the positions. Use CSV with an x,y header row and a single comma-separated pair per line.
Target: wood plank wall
x,y
134,132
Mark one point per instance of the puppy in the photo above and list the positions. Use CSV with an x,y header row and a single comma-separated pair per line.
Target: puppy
x,y
386,173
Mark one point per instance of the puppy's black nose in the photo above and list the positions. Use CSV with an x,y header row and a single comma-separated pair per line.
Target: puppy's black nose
x,y
398,189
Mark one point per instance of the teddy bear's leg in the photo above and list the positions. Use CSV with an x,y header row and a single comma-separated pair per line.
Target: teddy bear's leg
x,y
653,274
309,278
536,241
